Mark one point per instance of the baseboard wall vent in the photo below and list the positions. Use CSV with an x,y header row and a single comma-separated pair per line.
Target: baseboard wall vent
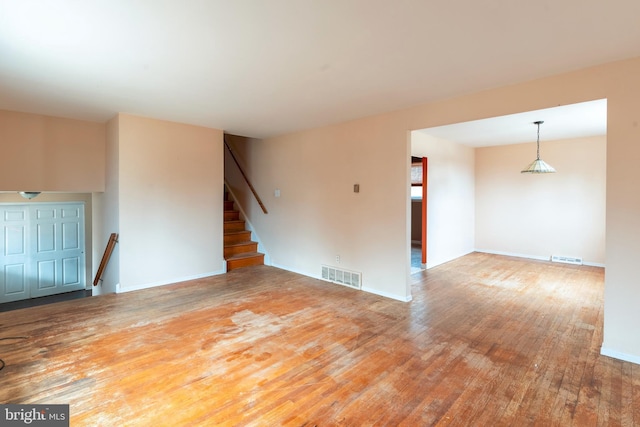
x,y
342,277
566,260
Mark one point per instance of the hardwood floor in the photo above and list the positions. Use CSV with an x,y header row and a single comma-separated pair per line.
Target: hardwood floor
x,y
487,340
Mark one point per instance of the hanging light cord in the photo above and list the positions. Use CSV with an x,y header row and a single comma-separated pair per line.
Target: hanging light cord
x,y
538,142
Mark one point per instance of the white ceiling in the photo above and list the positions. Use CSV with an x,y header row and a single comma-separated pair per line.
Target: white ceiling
x,y
262,68
569,121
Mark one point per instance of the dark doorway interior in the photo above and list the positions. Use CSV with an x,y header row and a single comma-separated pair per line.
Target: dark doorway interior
x,y
34,302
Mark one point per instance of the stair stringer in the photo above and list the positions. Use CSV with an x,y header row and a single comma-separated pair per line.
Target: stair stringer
x,y
254,234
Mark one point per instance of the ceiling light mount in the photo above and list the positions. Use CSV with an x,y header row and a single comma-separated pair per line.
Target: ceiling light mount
x,y
29,194
538,165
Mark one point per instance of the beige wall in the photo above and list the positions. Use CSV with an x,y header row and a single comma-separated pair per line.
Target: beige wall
x,y
318,216
170,202
450,197
42,153
542,215
107,208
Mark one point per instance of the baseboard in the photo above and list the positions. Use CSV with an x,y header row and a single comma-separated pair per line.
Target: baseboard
x,y
363,288
431,264
619,355
142,286
407,298
281,267
593,264
538,258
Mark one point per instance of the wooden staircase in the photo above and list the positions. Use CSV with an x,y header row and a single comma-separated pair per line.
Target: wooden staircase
x,y
239,250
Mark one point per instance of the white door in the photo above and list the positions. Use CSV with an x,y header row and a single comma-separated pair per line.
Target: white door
x,y
14,284
52,260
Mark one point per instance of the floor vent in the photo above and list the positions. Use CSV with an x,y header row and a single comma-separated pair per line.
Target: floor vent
x,y
342,277
566,260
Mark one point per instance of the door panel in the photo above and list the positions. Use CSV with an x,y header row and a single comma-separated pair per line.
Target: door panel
x,y
45,238
45,277
59,258
72,261
13,277
70,271
15,281
70,234
43,257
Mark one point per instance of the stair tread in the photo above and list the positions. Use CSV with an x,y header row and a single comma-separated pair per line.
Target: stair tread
x,y
244,242
236,232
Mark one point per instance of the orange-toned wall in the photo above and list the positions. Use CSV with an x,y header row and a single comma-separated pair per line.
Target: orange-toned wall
x,y
43,153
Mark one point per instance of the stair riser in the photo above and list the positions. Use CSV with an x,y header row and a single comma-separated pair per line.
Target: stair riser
x,y
240,249
230,239
231,215
234,226
228,205
245,262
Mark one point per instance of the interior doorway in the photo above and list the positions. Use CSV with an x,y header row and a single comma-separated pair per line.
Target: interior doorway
x,y
419,186
480,201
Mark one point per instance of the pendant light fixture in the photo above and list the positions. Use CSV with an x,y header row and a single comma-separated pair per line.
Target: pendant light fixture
x,y
539,165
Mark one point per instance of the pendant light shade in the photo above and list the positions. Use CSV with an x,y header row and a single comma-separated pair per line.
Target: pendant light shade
x,y
538,165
